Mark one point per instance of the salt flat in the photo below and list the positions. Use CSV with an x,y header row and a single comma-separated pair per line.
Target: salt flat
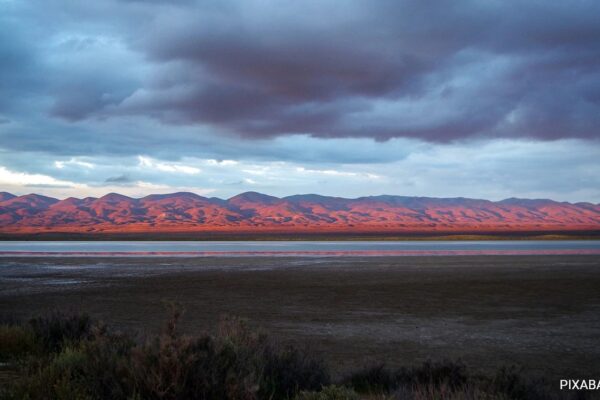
x,y
540,312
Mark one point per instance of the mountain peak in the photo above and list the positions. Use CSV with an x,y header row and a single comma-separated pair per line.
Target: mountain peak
x,y
253,197
6,196
71,200
514,201
309,213
309,197
115,197
176,195
37,198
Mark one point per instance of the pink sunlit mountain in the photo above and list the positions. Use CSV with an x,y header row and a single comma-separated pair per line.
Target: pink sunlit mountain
x,y
252,212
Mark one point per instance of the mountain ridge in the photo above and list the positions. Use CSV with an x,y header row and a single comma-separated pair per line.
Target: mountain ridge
x,y
253,211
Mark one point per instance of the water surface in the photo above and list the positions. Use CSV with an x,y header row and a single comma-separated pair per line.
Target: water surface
x,y
297,248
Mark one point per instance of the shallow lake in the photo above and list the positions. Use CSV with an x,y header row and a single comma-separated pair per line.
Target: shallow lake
x,y
308,248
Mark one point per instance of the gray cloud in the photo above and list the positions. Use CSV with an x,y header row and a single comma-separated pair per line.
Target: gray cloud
x,y
562,170
276,73
379,70
483,99
118,179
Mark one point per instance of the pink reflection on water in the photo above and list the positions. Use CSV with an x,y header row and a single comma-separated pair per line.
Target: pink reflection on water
x,y
342,253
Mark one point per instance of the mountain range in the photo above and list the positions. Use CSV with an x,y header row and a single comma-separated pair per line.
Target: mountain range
x,y
254,212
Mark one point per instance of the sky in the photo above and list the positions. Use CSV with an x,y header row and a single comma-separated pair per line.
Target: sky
x,y
483,99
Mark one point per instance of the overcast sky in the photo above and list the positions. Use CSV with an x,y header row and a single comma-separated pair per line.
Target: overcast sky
x,y
486,99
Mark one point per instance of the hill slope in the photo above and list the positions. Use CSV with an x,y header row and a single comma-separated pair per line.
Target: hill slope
x,y
249,212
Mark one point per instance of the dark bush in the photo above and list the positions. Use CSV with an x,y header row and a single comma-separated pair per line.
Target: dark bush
x,y
57,329
16,341
237,363
379,379
329,393
106,371
173,366
59,377
375,379
448,373
510,382
290,370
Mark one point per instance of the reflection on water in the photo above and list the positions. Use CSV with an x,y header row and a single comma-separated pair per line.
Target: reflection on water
x,y
300,248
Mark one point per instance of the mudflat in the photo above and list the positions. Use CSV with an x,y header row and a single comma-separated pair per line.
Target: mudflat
x,y
538,312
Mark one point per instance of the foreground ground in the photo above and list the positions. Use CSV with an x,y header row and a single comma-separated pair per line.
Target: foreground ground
x,y
542,313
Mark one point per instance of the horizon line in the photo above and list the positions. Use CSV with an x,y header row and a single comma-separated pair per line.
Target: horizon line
x,y
289,196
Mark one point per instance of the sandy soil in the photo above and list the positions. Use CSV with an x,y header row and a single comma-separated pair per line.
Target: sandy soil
x,y
540,312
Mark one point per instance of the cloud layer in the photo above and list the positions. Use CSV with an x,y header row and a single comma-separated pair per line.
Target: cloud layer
x,y
491,170
358,89
324,68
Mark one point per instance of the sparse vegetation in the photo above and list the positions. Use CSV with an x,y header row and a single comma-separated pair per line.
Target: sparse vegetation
x,y
68,356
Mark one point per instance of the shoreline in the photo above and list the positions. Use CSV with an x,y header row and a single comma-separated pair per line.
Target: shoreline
x,y
301,236
302,254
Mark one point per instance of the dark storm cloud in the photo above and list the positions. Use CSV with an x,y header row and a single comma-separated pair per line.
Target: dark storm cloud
x,y
323,71
435,71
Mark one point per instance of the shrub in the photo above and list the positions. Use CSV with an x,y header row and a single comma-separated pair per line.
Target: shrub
x,y
60,378
239,363
95,368
16,341
379,379
444,392
510,382
107,365
57,329
329,393
280,372
447,373
287,371
374,379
